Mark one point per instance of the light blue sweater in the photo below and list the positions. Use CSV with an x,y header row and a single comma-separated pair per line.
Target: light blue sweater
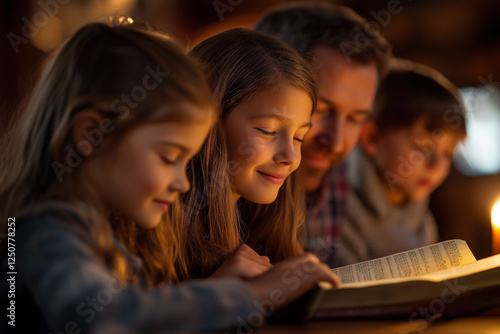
x,y
61,286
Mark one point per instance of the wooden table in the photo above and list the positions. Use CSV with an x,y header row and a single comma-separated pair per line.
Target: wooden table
x,y
462,325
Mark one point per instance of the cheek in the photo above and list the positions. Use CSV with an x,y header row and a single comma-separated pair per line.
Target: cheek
x,y
145,177
388,158
258,155
351,136
444,171
236,144
152,182
246,149
317,125
392,165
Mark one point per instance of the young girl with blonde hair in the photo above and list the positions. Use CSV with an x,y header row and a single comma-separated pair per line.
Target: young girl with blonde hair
x,y
244,190
99,156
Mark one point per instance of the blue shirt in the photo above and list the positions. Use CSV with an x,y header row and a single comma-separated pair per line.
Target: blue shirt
x,y
62,286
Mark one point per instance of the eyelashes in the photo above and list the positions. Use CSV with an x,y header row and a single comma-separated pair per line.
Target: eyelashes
x,y
274,133
267,133
167,161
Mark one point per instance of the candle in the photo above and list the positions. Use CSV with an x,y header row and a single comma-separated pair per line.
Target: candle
x,y
495,228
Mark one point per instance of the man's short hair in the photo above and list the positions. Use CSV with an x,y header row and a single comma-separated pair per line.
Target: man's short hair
x,y
305,26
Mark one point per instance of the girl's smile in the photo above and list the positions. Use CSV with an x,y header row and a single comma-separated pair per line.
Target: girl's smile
x,y
273,177
264,136
164,205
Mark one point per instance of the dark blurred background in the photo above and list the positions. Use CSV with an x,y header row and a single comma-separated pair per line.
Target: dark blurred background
x,y
460,38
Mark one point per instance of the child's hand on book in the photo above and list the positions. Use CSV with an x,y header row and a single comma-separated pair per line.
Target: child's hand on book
x,y
290,279
245,263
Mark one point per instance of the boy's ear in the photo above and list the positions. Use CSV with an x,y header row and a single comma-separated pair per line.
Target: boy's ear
x,y
86,131
369,138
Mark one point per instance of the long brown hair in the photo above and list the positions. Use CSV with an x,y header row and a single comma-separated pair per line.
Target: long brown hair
x,y
104,68
238,64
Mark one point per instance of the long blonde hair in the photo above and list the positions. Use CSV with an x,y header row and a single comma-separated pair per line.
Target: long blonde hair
x,y
251,62
101,68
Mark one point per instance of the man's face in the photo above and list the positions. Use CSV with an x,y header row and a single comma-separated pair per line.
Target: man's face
x,y
346,93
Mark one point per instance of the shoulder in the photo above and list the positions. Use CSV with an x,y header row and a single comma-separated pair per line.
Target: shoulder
x,y
358,167
54,223
51,213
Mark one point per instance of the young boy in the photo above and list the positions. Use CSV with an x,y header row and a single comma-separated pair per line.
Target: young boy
x,y
404,153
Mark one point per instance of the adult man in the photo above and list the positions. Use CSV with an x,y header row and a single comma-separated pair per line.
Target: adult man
x,y
348,59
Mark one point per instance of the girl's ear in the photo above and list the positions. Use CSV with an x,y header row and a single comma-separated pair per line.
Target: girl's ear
x,y
369,138
87,133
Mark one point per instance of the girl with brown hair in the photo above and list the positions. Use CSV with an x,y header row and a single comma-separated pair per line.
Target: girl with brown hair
x,y
103,146
243,189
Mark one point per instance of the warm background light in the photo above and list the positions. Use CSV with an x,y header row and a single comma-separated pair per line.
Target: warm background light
x,y
495,215
461,39
495,228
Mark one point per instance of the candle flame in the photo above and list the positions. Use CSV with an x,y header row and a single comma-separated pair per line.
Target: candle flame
x,y
495,215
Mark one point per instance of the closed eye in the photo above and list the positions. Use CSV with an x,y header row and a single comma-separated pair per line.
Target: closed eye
x,y
167,161
267,133
299,140
358,119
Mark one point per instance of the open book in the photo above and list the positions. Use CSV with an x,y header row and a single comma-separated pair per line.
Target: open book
x,y
443,278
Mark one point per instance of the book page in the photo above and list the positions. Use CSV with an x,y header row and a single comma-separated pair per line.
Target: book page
x,y
471,268
412,263
437,276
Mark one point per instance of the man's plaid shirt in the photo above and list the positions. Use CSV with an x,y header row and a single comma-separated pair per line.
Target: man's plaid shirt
x,y
325,217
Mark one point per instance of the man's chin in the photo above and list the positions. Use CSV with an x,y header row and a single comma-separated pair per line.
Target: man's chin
x,y
312,177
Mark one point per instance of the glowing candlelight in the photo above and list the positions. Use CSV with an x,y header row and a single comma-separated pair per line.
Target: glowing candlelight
x,y
495,228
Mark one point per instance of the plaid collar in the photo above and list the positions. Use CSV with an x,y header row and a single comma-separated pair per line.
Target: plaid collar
x,y
326,216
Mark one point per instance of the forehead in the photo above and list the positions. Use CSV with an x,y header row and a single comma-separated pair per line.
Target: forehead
x,y
418,132
187,135
284,103
342,80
